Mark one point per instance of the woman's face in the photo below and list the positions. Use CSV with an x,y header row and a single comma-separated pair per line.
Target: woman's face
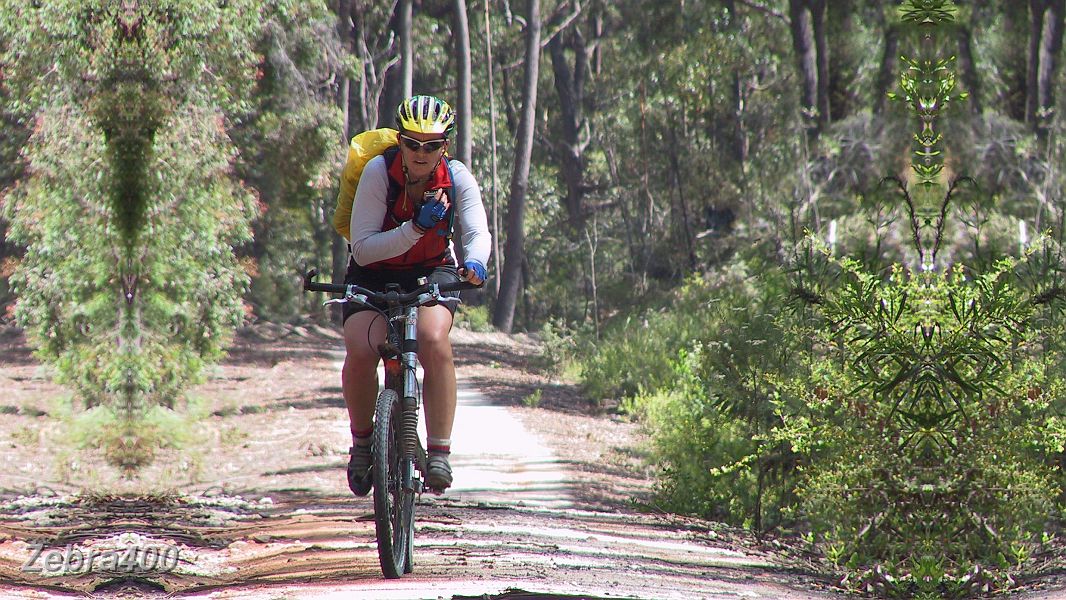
x,y
421,152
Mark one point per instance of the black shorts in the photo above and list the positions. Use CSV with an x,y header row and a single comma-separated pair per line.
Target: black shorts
x,y
376,279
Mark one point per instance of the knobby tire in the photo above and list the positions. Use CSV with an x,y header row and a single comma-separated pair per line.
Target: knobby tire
x,y
393,507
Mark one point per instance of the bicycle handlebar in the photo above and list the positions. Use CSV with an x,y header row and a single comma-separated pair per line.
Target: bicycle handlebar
x,y
381,297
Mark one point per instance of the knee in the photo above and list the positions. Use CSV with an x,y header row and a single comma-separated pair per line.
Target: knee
x,y
359,358
434,349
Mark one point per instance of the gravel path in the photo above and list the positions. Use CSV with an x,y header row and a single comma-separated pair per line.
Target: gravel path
x,y
259,508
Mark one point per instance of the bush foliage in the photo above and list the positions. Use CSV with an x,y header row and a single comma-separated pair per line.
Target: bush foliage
x,y
129,213
895,391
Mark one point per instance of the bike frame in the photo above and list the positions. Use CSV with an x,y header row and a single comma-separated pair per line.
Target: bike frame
x,y
401,374
398,448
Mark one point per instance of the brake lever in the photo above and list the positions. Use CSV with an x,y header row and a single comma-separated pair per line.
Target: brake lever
x,y
358,299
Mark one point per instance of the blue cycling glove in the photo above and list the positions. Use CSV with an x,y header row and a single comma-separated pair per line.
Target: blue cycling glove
x,y
430,214
476,267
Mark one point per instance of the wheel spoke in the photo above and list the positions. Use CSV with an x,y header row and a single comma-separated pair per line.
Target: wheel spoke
x,y
392,505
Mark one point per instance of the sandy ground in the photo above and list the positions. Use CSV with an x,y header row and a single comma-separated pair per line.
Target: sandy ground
x,y
544,502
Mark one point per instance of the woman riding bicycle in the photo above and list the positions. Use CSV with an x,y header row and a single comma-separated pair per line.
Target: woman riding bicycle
x,y
402,217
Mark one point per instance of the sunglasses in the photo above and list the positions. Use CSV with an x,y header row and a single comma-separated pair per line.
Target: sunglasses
x,y
417,146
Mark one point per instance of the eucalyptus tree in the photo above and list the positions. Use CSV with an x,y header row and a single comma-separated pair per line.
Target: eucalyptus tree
x,y
129,210
514,257
571,51
13,134
405,11
373,49
1045,46
807,23
463,107
399,82
290,142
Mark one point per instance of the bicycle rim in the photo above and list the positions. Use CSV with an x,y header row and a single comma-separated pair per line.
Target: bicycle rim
x,y
393,507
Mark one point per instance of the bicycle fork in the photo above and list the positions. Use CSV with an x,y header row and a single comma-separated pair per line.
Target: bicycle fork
x,y
409,401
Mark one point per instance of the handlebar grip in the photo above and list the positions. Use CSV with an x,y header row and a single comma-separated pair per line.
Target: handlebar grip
x,y
456,286
309,278
332,288
313,286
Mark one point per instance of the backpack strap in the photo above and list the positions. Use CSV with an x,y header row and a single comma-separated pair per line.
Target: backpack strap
x,y
395,189
451,197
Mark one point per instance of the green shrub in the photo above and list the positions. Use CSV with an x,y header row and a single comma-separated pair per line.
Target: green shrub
x,y
929,420
564,347
635,354
129,284
908,419
634,357
705,376
713,464
474,318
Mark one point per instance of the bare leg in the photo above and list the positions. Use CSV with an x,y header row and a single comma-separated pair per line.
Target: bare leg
x,y
435,354
363,331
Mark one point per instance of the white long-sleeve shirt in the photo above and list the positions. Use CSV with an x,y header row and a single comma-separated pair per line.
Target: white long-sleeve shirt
x,y
370,244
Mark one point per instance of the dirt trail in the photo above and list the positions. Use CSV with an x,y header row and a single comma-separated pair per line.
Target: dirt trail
x,y
262,511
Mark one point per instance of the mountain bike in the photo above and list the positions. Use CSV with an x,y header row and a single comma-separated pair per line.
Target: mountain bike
x,y
399,458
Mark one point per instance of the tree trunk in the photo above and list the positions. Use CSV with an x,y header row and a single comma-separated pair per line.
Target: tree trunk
x,y
516,204
371,99
463,143
570,87
741,144
1045,44
821,46
593,243
886,75
1050,47
345,30
739,131
596,59
362,110
806,55
390,98
490,76
647,207
967,70
394,90
842,73
407,50
1014,60
682,204
1036,21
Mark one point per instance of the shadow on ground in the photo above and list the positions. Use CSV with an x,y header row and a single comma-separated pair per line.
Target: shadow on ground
x,y
249,549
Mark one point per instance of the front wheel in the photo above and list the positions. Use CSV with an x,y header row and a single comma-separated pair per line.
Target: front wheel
x,y
394,502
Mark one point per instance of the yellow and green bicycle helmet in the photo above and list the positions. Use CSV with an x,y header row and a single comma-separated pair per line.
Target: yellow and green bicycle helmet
x,y
425,114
